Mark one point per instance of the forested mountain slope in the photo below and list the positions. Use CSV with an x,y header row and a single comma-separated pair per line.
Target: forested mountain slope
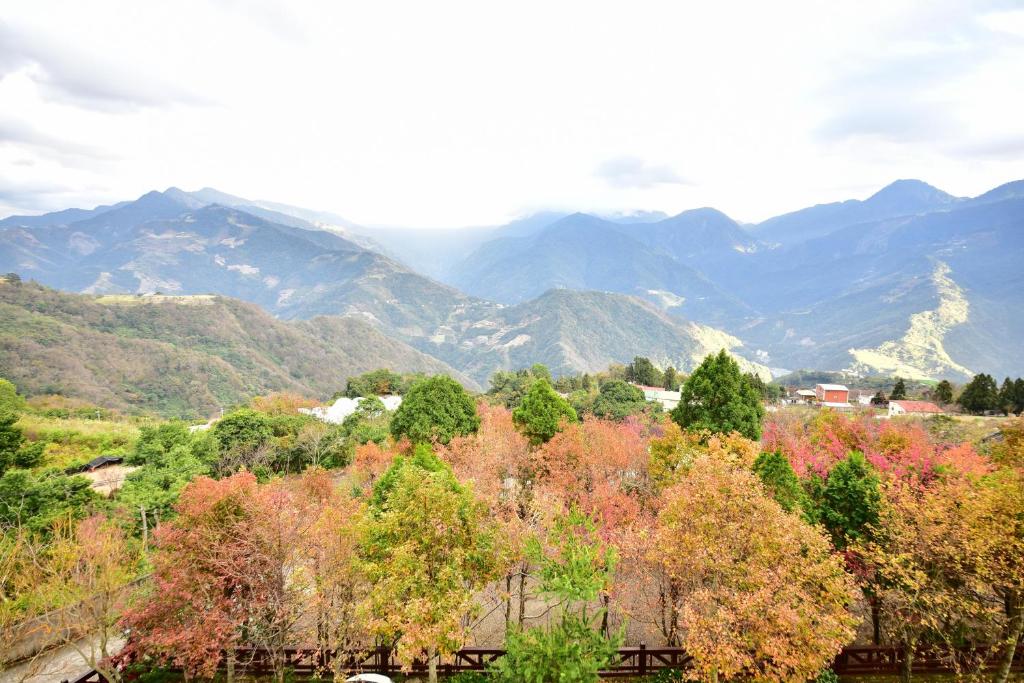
x,y
182,355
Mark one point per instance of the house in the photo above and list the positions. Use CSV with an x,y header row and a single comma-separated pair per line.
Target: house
x,y
803,396
919,408
106,473
861,397
832,393
668,399
97,463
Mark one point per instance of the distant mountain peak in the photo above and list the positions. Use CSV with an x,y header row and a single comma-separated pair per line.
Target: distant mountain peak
x,y
910,193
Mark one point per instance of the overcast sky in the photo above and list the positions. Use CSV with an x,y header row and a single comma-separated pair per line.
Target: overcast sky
x,y
466,113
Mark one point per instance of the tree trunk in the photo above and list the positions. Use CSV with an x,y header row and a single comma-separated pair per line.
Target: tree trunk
x,y
907,665
145,529
522,594
508,602
230,654
876,622
714,675
431,665
1014,630
604,617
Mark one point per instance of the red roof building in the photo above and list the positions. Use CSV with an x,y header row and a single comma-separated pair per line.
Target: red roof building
x,y
913,408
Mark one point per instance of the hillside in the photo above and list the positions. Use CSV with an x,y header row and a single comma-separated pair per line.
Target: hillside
x,y
182,355
170,242
571,332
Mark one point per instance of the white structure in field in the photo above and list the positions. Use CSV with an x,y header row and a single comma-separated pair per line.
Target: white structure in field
x,y
344,406
922,408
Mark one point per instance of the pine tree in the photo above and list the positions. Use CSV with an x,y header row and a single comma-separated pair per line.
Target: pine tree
x,y
980,394
899,391
943,392
642,371
541,414
717,397
671,379
1007,397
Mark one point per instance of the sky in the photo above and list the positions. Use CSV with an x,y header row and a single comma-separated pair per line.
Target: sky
x,y
449,114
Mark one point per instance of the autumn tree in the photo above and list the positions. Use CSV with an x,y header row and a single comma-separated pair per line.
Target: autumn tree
x,y
673,453
497,461
542,412
435,409
427,546
200,595
919,551
771,597
995,521
717,398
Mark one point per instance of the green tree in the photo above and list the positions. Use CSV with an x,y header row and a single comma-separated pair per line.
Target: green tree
x,y
541,414
11,439
1007,397
38,499
718,398
879,399
435,409
10,400
783,485
617,400
899,390
1018,396
850,500
377,383
943,392
427,546
642,371
576,571
671,379
509,387
768,391
243,430
980,395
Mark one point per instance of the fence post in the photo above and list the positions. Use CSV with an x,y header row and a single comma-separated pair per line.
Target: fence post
x,y
643,659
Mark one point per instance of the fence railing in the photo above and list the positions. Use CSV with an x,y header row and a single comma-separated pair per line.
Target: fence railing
x,y
631,661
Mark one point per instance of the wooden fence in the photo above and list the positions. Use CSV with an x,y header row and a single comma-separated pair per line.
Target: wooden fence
x,y
631,662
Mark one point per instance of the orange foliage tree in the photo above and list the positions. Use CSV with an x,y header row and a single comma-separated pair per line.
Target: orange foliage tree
x,y
763,592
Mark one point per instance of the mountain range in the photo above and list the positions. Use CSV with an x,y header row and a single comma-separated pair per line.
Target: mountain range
x,y
910,280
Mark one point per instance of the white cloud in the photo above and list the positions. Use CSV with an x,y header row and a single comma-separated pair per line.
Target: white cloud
x,y
460,112
631,172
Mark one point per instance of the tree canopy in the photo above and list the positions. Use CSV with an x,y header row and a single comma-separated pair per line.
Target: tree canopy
x,y
718,398
435,409
542,412
617,400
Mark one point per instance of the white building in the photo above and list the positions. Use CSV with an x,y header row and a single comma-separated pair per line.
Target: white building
x,y
919,408
668,399
344,406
